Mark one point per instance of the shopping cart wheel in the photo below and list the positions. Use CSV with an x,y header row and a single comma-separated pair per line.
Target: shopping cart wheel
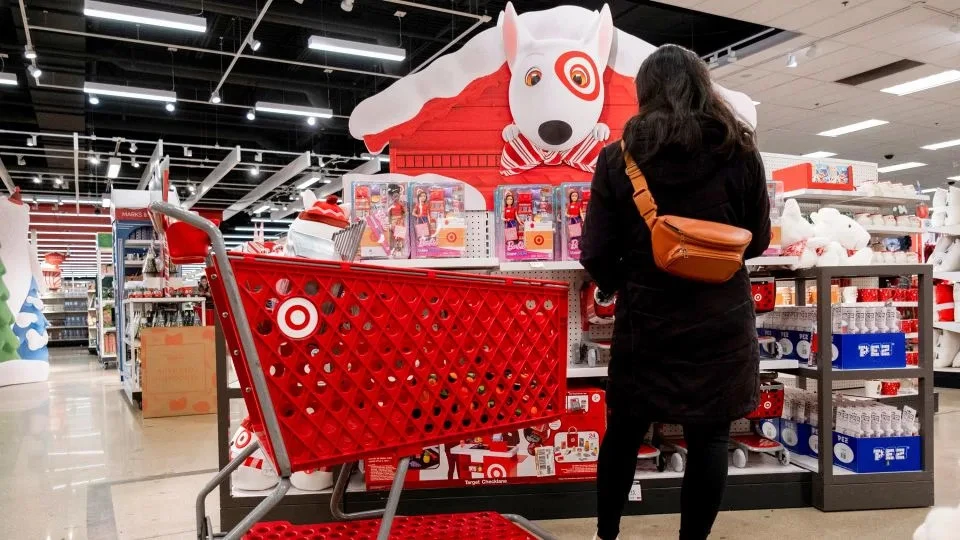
x,y
783,457
739,458
677,462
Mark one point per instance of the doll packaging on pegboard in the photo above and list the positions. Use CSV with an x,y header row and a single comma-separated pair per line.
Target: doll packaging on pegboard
x,y
526,220
384,207
438,218
572,200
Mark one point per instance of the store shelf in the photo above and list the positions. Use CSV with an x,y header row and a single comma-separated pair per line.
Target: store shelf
x,y
171,300
66,312
527,266
949,276
862,374
949,230
138,243
912,335
946,377
851,197
579,372
772,261
947,326
487,262
64,327
892,229
109,329
879,304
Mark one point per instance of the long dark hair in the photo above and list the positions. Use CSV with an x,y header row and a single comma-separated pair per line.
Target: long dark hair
x,y
677,100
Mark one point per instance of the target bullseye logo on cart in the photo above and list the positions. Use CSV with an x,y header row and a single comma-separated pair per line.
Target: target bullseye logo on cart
x,y
243,439
297,318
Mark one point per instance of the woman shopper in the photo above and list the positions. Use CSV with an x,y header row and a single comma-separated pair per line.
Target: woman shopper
x,y
683,351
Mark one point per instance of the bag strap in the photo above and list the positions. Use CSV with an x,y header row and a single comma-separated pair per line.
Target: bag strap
x,y
642,197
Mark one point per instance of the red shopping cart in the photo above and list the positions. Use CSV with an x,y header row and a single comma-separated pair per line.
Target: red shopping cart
x,y
338,361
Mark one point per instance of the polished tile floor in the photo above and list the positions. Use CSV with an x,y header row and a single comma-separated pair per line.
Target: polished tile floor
x,y
76,462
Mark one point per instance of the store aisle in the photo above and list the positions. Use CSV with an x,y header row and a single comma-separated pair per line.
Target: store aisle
x,y
76,462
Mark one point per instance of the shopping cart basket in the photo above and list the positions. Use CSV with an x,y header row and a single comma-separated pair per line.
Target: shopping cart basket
x,y
338,361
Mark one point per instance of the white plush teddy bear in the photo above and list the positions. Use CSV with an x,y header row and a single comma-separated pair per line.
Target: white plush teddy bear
x,y
832,240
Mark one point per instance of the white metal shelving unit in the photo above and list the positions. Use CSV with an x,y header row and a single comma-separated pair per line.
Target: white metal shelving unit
x,y
106,348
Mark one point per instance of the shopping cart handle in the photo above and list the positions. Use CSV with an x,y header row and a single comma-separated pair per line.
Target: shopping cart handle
x,y
189,238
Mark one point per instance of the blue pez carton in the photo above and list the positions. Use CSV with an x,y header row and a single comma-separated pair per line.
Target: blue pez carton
x,y
798,437
876,454
869,351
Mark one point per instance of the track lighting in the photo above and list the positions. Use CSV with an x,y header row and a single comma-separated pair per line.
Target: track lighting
x,y
37,180
215,98
29,52
134,163
94,100
254,171
187,152
20,161
93,159
258,157
255,44
170,107
58,181
311,121
34,71
133,148
731,55
791,60
191,188
251,115
32,140
714,62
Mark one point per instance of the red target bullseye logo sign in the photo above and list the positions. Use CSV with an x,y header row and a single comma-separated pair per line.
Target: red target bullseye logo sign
x,y
539,240
496,470
451,237
297,318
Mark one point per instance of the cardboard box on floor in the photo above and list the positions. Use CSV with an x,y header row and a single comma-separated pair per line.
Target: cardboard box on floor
x,y
562,451
178,368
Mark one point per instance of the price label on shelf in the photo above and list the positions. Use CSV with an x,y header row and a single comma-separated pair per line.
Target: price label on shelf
x,y
536,264
635,494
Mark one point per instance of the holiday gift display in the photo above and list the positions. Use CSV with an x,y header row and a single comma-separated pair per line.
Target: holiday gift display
x,y
572,200
832,239
385,209
775,194
23,327
311,233
534,99
563,450
526,222
438,220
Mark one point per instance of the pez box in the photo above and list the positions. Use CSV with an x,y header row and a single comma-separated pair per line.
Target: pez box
x,y
869,351
564,450
876,454
800,438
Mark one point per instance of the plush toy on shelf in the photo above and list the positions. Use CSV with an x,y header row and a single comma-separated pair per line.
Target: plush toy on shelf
x,y
311,234
833,239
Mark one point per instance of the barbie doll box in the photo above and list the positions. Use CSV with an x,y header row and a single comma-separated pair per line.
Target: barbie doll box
x,y
385,209
438,219
562,451
572,202
525,222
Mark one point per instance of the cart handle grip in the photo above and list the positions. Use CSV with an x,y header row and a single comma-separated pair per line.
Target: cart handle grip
x,y
270,421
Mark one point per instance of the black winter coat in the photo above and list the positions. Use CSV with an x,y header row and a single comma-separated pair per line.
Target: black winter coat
x,y
683,351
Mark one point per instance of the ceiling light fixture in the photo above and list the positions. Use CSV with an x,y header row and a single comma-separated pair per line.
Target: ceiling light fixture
x,y
137,15
34,71
93,159
215,98
714,62
20,161
311,121
191,188
296,110
255,44
170,107
356,48
132,92
939,145
8,79
58,181
731,55
37,180
187,152
924,83
134,163
843,130
313,179
113,167
327,180
254,171
819,154
346,5
94,100
251,115
260,210
258,157
32,140
900,167
791,61
133,147
29,52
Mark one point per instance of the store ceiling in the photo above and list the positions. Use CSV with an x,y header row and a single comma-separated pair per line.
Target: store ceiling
x,y
852,37
72,49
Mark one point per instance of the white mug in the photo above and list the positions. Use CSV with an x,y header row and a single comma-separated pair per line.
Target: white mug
x,y
871,388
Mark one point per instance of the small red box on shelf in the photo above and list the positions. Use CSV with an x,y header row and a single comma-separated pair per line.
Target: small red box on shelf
x,y
561,451
816,176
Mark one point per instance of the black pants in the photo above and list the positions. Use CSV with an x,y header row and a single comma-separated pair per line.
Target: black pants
x,y
704,479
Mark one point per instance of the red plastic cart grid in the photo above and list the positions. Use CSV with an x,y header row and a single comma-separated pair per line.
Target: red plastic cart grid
x,y
338,361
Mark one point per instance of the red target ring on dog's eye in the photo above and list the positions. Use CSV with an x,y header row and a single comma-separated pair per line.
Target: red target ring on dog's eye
x,y
578,72
297,318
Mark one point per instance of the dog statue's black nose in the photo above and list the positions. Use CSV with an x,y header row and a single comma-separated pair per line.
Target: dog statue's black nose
x,y
555,132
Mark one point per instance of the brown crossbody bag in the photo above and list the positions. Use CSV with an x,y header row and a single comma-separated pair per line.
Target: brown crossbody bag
x,y
690,248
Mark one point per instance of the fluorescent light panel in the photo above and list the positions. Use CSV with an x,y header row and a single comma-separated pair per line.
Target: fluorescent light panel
x,y
314,178
137,15
900,167
924,83
296,110
113,168
843,130
939,145
819,154
356,48
8,79
133,92
928,190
